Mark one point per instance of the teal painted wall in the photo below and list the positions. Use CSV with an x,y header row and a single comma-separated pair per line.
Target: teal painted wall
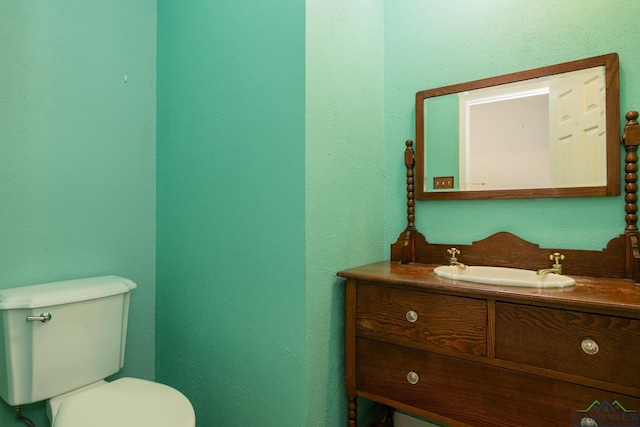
x,y
442,42
231,209
263,194
77,154
344,183
441,133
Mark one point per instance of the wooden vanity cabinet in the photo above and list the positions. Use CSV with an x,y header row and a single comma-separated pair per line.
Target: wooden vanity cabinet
x,y
467,354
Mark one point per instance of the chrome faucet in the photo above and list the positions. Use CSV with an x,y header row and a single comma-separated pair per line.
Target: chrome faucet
x,y
453,260
557,267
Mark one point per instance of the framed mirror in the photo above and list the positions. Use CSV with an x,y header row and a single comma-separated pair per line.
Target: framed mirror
x,y
552,131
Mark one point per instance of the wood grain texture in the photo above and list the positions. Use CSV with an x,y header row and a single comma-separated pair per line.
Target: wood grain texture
x,y
469,393
443,322
551,339
598,295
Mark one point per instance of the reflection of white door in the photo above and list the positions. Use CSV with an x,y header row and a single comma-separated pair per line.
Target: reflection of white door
x,y
577,129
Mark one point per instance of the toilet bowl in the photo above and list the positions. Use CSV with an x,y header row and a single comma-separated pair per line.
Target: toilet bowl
x,y
60,340
126,402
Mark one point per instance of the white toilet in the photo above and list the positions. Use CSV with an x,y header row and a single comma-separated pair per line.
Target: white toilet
x,y
58,341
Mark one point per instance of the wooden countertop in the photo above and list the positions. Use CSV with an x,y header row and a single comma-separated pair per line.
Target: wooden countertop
x,y
620,297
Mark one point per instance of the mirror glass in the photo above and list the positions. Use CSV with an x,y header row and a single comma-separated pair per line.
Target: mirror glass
x,y
547,132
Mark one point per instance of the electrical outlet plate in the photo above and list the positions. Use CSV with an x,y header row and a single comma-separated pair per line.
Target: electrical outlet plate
x,y
440,182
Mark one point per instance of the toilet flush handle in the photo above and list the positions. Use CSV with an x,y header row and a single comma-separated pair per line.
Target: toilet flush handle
x,y
44,317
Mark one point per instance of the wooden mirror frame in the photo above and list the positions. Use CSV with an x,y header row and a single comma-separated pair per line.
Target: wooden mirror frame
x,y
612,187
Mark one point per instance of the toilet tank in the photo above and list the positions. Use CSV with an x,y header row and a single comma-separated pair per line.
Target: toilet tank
x,y
83,342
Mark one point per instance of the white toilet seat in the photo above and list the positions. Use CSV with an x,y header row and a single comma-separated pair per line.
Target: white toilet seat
x,y
126,402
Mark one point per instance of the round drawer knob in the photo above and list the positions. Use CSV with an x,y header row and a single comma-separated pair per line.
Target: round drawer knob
x,y
411,316
413,378
589,346
588,422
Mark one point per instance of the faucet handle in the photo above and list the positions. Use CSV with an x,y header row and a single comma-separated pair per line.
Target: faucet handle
x,y
453,252
556,257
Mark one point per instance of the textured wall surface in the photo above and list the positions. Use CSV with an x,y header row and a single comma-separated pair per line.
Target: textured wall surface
x,y
77,153
343,191
442,42
231,297
268,183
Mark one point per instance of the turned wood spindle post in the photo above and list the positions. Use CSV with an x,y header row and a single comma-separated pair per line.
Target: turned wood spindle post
x,y
352,412
631,139
408,249
409,160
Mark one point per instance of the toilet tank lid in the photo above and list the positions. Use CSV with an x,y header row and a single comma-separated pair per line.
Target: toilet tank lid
x,y
64,292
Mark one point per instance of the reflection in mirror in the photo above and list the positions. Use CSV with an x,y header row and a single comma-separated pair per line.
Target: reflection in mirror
x,y
548,132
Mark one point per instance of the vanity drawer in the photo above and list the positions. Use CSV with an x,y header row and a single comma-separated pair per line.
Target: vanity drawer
x,y
594,346
471,393
434,321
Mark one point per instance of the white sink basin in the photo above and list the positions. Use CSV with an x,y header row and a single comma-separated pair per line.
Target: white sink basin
x,y
504,276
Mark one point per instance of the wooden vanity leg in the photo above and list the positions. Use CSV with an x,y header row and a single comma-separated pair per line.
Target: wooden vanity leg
x,y
352,412
350,354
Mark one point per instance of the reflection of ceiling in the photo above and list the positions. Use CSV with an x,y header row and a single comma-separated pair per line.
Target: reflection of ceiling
x,y
499,135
